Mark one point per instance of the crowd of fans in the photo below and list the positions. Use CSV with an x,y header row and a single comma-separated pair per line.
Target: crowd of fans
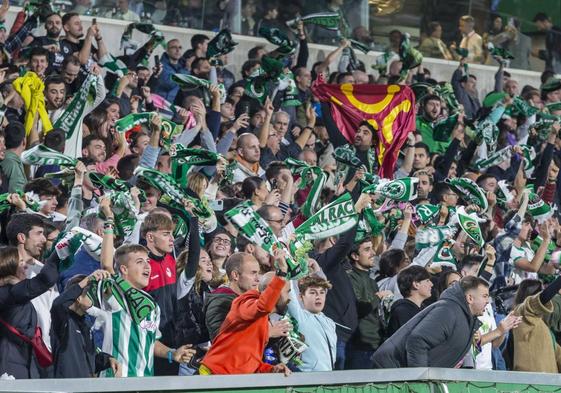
x,y
172,220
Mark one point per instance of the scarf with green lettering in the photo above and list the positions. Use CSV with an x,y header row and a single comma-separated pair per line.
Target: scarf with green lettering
x,y
404,189
109,183
469,191
221,44
183,159
427,212
254,228
333,219
495,158
313,177
171,191
327,20
137,303
43,155
128,122
469,223
74,113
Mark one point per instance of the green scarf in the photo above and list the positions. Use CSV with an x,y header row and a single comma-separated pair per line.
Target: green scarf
x,y
73,115
443,128
42,155
501,53
368,225
444,255
495,158
254,228
409,56
470,225
124,124
427,212
469,191
171,191
170,131
538,208
311,176
221,44
404,189
333,219
327,20
183,159
345,159
277,37
290,96
190,81
138,304
432,236
114,65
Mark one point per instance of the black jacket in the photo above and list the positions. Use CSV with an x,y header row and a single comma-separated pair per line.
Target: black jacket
x,y
340,304
402,311
74,351
438,336
16,356
217,306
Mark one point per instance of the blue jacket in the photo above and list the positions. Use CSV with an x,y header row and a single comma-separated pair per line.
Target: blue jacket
x,y
166,87
84,263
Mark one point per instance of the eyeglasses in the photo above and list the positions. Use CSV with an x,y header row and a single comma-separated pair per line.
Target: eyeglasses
x,y
279,221
220,240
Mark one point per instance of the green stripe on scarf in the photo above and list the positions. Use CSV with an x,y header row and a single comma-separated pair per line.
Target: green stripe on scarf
x,y
470,225
183,159
138,304
327,20
114,65
311,176
42,155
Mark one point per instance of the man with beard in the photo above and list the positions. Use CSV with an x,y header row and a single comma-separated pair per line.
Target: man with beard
x,y
72,44
72,75
26,232
55,96
50,41
426,120
248,323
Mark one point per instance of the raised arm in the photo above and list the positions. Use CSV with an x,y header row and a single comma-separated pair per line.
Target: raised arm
x,y
107,247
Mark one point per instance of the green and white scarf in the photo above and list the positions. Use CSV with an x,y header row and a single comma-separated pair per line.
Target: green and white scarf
x,y
470,225
528,157
495,158
488,132
128,122
327,20
255,229
427,212
171,191
404,189
170,131
138,304
345,159
333,219
221,44
368,225
90,94
538,209
503,193
469,191
43,155
313,177
114,65
190,81
434,236
277,37
183,159
445,256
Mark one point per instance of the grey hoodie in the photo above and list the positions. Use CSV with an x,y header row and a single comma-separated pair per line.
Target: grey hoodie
x,y
438,336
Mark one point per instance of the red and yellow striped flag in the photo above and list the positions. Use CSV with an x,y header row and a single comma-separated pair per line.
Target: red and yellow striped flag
x,y
390,109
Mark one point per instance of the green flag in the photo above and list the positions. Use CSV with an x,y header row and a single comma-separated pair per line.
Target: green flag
x,y
404,189
221,44
470,225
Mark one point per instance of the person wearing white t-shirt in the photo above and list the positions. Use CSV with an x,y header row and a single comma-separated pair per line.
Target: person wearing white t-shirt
x,y
526,263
